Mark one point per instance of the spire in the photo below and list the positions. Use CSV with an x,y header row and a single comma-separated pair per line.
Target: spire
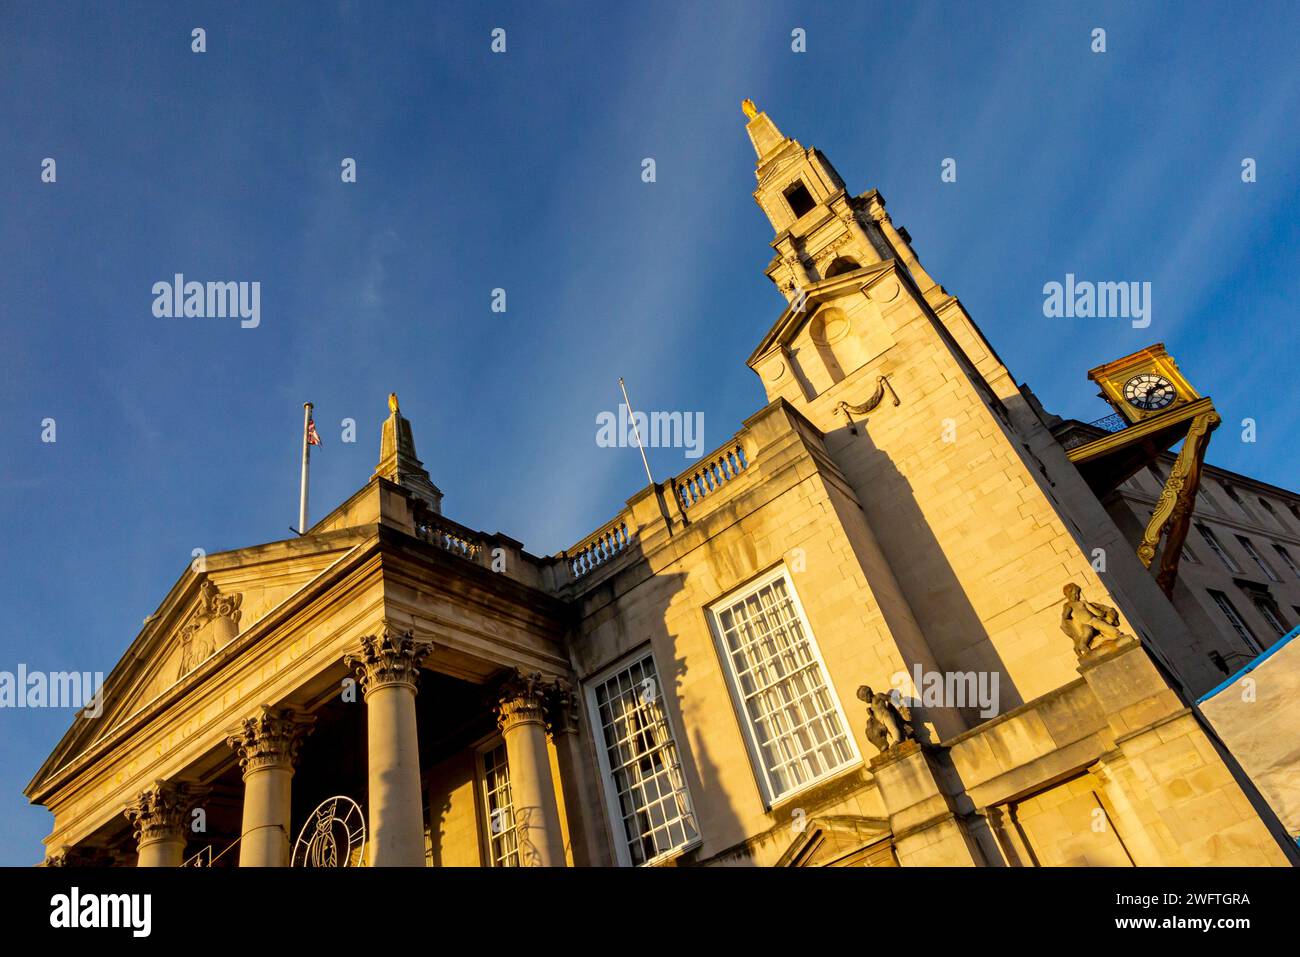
x,y
762,131
820,230
397,459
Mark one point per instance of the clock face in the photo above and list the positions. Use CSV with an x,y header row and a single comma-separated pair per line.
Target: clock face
x,y
1149,391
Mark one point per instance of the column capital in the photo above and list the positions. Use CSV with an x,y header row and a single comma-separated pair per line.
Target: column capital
x,y
70,855
270,739
159,812
529,697
391,657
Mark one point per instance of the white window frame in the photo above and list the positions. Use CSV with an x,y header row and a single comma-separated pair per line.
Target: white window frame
x,y
485,803
609,786
761,774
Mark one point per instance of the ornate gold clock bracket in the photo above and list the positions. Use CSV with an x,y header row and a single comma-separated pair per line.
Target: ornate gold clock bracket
x,y
849,411
1177,499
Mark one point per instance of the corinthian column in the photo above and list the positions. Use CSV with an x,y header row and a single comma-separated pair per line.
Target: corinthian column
x,y
388,667
521,716
267,745
158,817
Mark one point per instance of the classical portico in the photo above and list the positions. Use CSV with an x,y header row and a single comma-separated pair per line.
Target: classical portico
x,y
348,624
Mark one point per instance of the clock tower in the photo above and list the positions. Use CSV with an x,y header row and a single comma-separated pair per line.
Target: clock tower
x,y
1160,408
1145,384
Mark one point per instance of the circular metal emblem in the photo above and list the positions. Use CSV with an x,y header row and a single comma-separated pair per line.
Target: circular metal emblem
x,y
334,835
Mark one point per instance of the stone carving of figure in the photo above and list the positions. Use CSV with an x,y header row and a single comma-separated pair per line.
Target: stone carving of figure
x,y
1089,624
212,604
887,724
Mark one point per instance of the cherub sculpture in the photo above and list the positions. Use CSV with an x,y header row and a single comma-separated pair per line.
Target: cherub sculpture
x,y
887,724
1089,624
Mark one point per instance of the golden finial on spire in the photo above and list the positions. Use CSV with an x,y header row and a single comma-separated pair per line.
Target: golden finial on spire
x,y
392,403
748,106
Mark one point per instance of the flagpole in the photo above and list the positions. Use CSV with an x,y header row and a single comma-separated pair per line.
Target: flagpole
x,y
636,431
306,459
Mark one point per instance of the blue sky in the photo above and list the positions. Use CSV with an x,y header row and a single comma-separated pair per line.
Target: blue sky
x,y
523,171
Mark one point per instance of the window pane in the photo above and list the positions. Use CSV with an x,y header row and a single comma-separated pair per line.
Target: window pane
x,y
503,843
792,716
645,775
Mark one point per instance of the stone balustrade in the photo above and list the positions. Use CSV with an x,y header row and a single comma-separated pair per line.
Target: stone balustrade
x,y
449,536
718,469
598,549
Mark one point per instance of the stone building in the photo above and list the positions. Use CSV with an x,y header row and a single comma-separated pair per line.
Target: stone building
x,y
704,679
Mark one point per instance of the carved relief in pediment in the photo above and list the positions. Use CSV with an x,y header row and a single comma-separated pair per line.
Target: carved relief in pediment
x,y
213,623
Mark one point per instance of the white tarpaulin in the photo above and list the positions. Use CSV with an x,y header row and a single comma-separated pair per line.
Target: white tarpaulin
x,y
1256,713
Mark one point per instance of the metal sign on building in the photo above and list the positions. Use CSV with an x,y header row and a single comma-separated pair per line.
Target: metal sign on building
x,y
333,836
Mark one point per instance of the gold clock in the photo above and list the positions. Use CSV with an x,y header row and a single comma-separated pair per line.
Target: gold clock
x,y
1149,391
1144,384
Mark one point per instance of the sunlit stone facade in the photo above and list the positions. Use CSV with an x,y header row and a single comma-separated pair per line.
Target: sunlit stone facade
x,y
686,685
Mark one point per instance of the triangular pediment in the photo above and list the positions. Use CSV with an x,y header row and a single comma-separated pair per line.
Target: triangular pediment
x,y
209,607
796,316
841,841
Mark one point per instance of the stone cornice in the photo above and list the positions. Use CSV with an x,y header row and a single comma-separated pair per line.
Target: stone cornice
x,y
85,856
522,595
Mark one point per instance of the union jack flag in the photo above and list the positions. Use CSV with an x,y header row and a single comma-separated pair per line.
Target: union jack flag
x,y
312,437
